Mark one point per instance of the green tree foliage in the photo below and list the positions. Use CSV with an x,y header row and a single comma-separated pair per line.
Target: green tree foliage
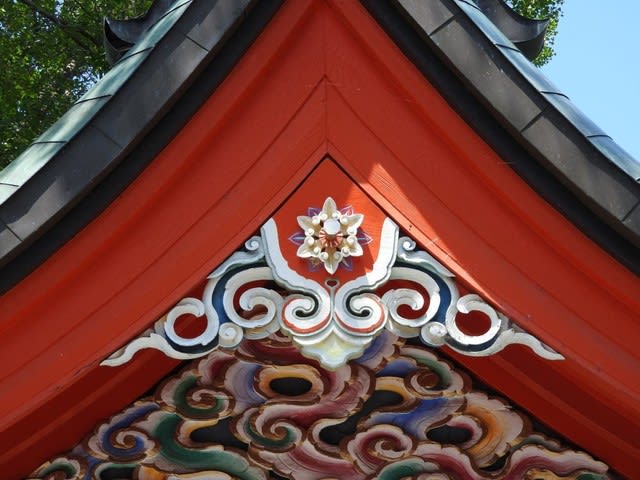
x,y
551,9
51,52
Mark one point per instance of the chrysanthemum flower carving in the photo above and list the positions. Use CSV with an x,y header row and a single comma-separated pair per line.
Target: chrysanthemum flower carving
x,y
330,236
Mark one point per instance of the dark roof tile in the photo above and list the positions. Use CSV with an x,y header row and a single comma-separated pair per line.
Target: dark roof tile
x,y
6,190
29,162
44,198
576,164
217,23
153,85
502,91
161,27
633,218
487,27
120,35
527,34
73,121
108,123
116,77
624,160
50,143
8,240
578,119
532,73
535,112
429,16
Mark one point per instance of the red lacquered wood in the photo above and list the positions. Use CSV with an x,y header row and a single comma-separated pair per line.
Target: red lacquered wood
x,y
322,79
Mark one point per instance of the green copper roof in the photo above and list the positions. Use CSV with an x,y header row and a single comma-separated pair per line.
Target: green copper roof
x,y
584,173
53,140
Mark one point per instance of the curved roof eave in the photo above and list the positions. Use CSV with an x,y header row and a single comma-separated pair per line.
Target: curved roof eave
x,y
553,146
561,140
44,193
54,171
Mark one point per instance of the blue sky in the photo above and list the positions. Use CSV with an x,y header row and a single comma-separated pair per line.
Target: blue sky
x,y
597,64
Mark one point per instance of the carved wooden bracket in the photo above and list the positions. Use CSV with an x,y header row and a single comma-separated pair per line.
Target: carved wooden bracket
x,y
405,291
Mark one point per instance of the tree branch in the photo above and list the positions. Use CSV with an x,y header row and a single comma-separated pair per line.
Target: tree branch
x,y
71,31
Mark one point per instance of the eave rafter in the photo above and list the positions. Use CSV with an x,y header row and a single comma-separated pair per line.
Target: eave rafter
x,y
337,86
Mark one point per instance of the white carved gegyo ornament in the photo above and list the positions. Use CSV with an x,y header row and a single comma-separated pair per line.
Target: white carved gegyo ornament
x,y
331,322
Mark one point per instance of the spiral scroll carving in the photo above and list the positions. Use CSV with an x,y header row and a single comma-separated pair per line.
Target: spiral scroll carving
x,y
262,410
255,293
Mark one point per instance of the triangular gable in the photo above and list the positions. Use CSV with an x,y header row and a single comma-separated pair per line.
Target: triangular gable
x,y
322,80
